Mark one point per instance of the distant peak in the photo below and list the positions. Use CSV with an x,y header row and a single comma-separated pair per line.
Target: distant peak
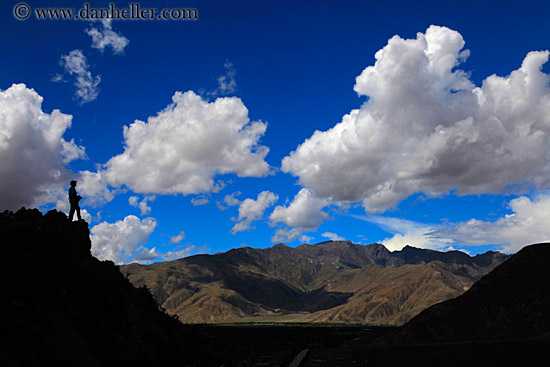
x,y
409,248
280,245
329,242
376,244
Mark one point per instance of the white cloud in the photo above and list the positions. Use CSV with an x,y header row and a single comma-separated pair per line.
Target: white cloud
x,y
306,239
76,65
333,236
182,148
57,78
33,152
226,82
287,235
142,205
408,233
145,255
93,188
427,128
178,238
119,241
251,210
200,200
304,211
61,199
105,36
85,216
529,223
304,214
174,255
229,200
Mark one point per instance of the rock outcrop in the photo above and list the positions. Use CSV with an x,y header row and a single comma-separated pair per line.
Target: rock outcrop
x,y
60,306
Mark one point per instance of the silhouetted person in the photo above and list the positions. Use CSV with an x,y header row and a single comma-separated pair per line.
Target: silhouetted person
x,y
74,198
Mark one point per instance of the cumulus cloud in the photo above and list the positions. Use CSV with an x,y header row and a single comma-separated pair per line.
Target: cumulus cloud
x,y
304,213
200,200
178,238
94,189
57,78
146,256
120,241
174,255
85,215
529,223
142,205
76,64
287,235
226,82
90,186
182,148
252,210
333,236
105,36
229,200
409,233
427,128
33,152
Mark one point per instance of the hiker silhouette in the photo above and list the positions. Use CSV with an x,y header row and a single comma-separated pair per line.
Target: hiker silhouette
x,y
74,198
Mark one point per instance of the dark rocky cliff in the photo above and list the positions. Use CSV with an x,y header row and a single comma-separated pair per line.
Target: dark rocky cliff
x,y
60,306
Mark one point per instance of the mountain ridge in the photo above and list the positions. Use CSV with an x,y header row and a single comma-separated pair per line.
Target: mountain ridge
x,y
324,282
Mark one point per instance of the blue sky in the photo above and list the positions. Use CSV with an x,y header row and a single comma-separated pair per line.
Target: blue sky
x,y
423,123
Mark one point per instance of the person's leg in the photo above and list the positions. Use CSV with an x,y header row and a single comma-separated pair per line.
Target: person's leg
x,y
71,213
78,212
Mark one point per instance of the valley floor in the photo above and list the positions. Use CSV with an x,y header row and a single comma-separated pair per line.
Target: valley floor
x,y
279,344
272,345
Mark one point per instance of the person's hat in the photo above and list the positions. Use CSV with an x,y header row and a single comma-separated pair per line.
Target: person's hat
x,y
73,181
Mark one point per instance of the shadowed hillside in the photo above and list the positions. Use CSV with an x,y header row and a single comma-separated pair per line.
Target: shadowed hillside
x,y
59,306
328,282
511,302
502,320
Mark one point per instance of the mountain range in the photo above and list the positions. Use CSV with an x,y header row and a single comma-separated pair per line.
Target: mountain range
x,y
60,306
333,281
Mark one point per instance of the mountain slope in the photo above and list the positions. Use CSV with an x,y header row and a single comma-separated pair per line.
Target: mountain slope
x,y
511,302
392,294
331,281
59,306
